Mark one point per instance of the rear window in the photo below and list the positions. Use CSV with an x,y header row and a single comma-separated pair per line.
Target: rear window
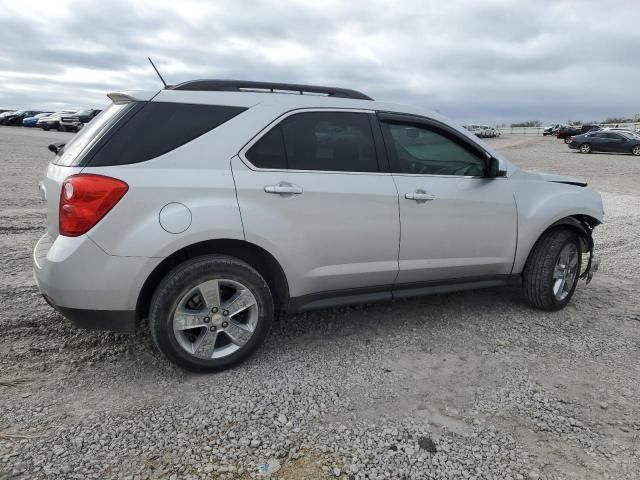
x,y
158,128
72,153
139,131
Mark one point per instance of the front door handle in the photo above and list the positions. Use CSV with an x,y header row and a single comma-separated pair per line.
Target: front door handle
x,y
420,196
284,188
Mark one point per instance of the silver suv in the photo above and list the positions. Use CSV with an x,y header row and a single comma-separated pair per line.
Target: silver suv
x,y
210,205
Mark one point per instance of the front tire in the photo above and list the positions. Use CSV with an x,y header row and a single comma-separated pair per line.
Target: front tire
x,y
210,313
585,148
636,150
567,139
551,273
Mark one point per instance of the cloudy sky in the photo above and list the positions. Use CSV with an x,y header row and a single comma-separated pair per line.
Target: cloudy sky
x,y
474,61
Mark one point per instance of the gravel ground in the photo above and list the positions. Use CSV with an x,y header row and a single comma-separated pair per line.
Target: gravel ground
x,y
466,385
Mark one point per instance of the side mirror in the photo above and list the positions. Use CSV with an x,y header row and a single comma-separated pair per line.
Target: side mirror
x,y
493,168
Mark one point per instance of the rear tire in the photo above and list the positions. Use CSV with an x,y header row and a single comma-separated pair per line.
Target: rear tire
x,y
636,150
210,313
567,139
585,148
551,273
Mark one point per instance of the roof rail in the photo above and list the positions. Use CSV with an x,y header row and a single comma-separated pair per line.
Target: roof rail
x,y
240,85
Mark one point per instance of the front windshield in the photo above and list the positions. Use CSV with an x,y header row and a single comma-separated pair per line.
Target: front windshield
x,y
70,154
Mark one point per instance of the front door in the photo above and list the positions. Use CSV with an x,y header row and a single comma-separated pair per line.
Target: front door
x,y
311,192
456,224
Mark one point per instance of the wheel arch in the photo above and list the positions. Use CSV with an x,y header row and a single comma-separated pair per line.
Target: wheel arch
x,y
256,256
582,224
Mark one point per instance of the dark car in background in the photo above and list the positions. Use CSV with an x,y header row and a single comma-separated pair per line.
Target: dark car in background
x,y
32,121
566,132
5,114
16,117
51,122
606,141
74,122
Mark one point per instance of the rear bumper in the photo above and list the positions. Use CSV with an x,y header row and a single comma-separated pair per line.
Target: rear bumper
x,y
91,288
111,320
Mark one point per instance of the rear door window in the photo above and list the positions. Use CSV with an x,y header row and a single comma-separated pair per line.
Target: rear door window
x,y
318,141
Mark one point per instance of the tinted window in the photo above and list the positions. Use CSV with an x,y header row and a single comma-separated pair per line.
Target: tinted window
x,y
72,153
331,141
269,151
157,128
425,151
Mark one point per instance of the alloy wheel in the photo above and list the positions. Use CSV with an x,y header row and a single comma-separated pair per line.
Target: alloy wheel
x,y
565,272
215,319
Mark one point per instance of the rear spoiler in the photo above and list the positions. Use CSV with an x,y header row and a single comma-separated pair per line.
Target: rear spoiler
x,y
120,98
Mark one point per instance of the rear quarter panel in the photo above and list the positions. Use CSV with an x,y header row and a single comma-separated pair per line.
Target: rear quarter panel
x,y
196,174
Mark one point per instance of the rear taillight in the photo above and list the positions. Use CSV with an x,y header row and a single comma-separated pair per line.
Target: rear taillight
x,y
85,199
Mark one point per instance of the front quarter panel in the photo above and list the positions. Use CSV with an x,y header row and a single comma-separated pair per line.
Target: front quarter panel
x,y
542,203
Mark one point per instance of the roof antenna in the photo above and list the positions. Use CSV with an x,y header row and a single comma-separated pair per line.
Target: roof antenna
x,y
154,67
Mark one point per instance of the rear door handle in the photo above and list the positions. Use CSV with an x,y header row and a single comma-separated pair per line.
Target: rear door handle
x,y
420,196
284,188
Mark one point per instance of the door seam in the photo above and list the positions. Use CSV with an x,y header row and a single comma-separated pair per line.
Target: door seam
x,y
399,234
235,188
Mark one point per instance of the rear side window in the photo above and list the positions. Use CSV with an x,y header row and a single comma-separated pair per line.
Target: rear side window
x,y
74,151
320,141
158,128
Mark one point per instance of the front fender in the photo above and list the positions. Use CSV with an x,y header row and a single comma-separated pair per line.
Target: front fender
x,y
541,204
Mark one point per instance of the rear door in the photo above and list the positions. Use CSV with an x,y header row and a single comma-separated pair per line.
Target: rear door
x,y
311,191
456,224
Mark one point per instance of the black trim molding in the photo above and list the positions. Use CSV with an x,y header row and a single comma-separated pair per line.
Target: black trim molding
x,y
352,296
123,321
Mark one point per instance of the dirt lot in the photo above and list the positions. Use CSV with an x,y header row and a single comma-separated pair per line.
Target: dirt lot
x,y
502,391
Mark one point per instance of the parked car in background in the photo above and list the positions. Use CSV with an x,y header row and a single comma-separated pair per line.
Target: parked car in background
x,y
492,132
566,132
51,122
74,122
551,130
32,121
5,114
15,118
210,252
606,141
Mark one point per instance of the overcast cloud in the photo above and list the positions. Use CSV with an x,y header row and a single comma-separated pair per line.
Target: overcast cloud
x,y
474,61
